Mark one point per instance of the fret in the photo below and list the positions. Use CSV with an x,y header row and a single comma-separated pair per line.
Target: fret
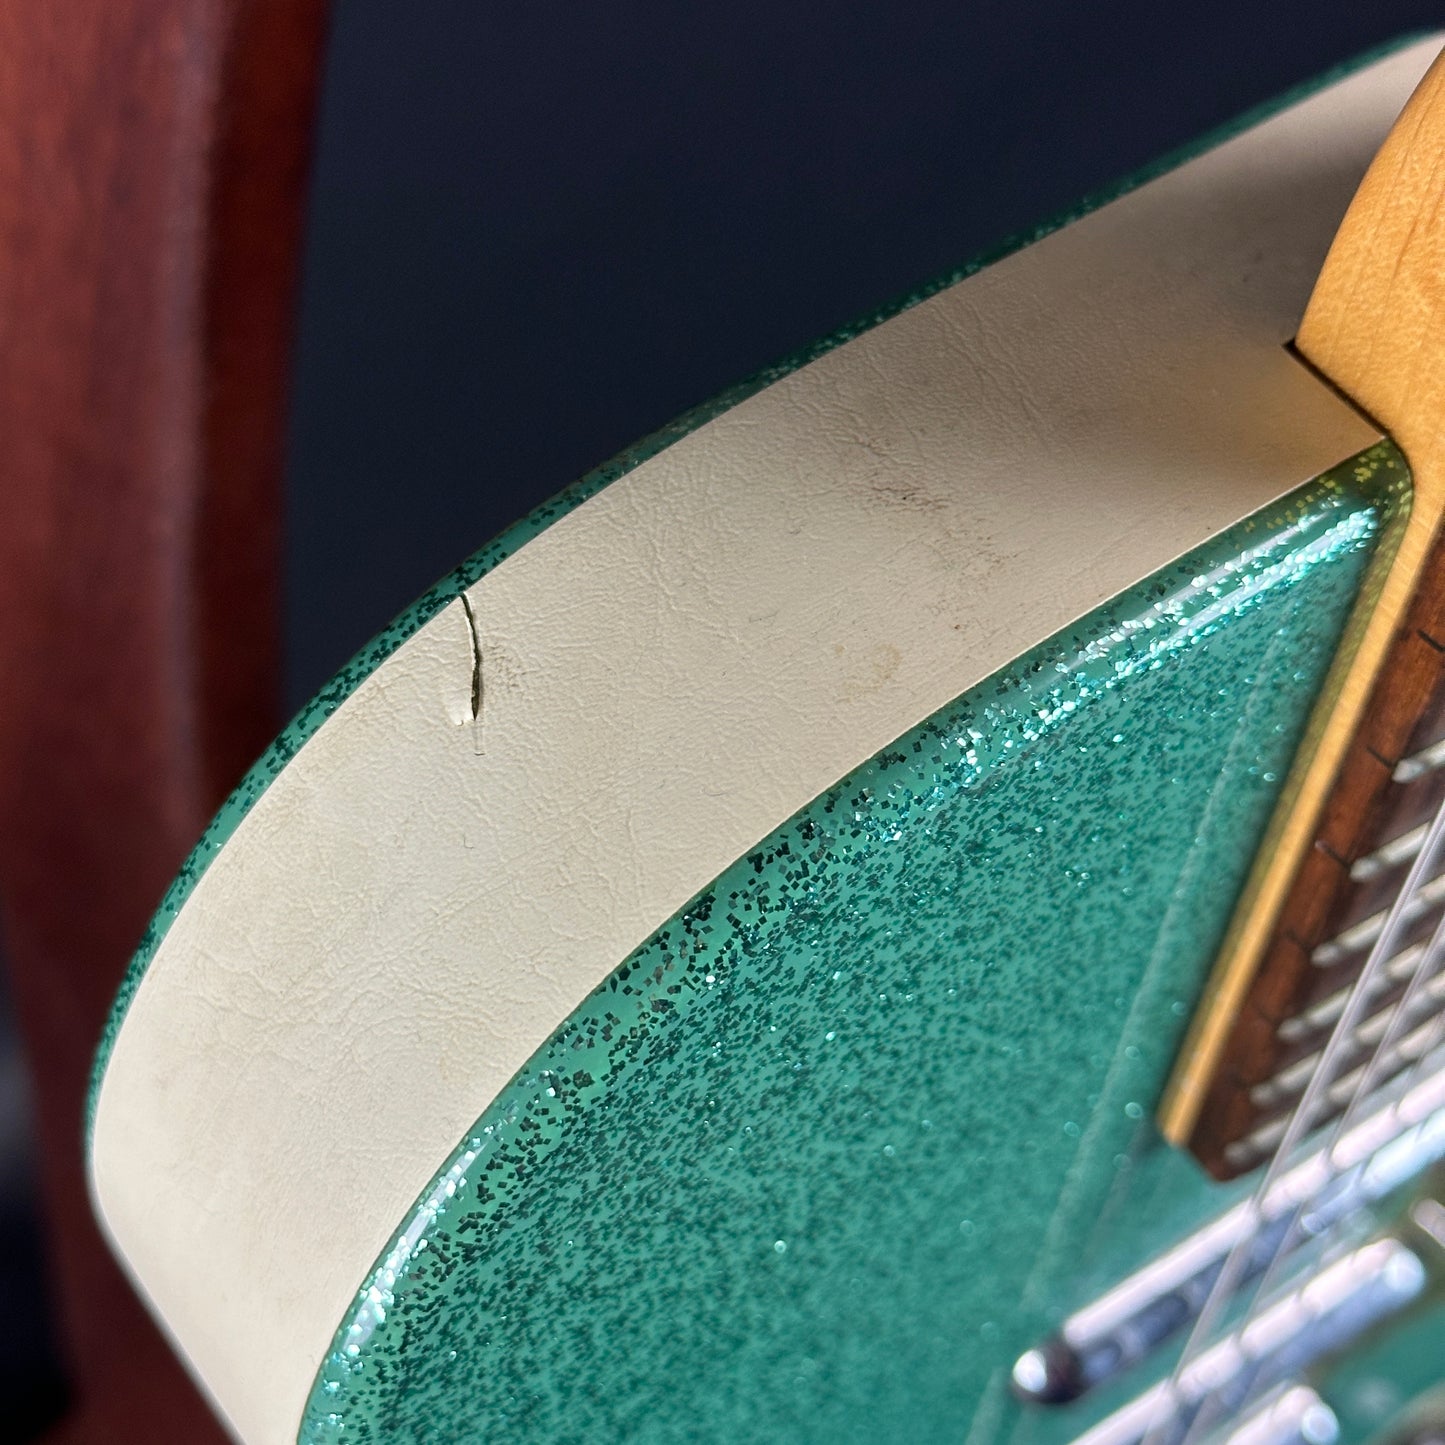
x,y
1369,832
1327,884
1285,1087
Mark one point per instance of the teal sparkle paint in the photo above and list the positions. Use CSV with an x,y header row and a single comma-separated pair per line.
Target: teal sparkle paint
x,y
1378,1390
802,1167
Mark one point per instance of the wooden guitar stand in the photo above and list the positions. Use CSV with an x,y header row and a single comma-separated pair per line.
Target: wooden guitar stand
x,y
153,158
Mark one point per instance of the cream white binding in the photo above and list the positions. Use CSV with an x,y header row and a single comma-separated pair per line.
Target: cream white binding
x,y
668,673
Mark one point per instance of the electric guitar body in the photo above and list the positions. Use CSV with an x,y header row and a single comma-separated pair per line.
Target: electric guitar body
x,y
713,970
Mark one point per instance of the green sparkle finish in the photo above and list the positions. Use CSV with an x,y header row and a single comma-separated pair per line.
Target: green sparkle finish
x,y
1399,1375
871,1114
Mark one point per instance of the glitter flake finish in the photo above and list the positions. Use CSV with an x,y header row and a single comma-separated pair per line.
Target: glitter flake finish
x,y
802,1168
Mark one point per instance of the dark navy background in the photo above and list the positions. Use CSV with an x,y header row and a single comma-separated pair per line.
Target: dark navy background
x,y
539,232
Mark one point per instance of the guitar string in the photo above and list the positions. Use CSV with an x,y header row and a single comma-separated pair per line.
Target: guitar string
x,y
1401,1024
1344,1175
1341,1176
1223,1291
1323,1079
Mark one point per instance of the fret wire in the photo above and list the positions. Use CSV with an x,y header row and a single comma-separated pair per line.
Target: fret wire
x,y
1160,1431
1261,1294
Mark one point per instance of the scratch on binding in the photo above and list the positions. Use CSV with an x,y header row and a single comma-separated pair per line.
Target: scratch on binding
x,y
478,687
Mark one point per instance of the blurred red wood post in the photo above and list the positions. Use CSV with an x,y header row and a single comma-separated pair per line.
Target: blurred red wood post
x,y
153,155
